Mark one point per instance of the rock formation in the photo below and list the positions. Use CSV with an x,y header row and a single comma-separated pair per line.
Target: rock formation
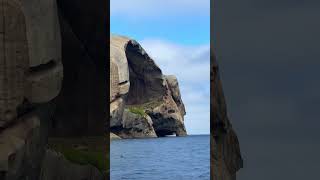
x,y
30,61
32,56
136,125
31,74
143,101
225,151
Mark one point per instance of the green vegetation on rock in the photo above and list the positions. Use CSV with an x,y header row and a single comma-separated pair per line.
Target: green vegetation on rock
x,y
150,105
138,110
83,151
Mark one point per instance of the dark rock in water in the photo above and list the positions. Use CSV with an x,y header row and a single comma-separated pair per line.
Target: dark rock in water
x,y
226,158
137,82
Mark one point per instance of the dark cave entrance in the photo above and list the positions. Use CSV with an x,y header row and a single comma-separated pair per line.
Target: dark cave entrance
x,y
164,133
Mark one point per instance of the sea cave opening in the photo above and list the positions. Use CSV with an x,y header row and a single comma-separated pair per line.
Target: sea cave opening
x,y
164,133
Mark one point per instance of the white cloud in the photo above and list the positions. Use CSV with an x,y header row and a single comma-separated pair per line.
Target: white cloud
x,y
156,8
191,65
197,119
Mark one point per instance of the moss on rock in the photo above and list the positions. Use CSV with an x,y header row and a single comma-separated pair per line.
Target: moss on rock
x,y
138,110
89,150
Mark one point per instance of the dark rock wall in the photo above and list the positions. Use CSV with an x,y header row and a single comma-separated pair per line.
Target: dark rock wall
x,y
226,158
82,103
145,76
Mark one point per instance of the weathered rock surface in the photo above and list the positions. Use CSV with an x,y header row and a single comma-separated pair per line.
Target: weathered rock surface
x,y
36,40
175,92
137,81
119,81
56,167
226,158
30,62
135,126
20,154
30,76
168,115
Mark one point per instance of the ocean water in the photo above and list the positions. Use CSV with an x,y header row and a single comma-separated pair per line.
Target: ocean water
x,y
185,158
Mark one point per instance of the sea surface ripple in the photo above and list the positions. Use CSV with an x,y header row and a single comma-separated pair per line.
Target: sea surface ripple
x,y
176,158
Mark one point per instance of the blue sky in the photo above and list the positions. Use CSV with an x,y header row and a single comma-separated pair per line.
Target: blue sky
x,y
176,34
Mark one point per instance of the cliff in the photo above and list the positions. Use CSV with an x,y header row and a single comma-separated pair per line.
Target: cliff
x,y
143,101
226,158
49,55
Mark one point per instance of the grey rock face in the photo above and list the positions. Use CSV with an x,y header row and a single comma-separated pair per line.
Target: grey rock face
x,y
136,126
119,81
175,92
21,149
30,55
44,49
137,81
116,112
30,74
168,116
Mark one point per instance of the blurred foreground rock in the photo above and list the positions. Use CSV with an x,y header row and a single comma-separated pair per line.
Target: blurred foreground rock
x,y
56,167
37,40
226,158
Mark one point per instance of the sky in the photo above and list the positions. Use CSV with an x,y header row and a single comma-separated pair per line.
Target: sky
x,y
268,52
176,34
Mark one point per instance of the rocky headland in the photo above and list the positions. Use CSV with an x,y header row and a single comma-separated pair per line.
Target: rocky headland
x,y
143,101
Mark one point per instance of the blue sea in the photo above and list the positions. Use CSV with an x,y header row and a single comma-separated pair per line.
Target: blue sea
x,y
176,158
